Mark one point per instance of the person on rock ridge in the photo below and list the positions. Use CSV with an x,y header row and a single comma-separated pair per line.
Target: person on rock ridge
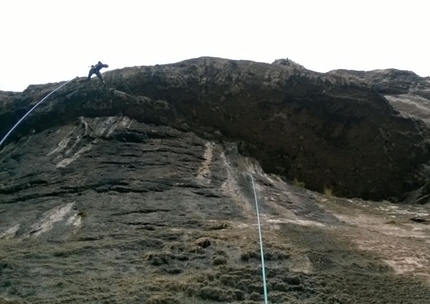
x,y
95,69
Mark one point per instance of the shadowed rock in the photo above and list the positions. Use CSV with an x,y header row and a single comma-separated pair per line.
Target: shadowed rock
x,y
325,130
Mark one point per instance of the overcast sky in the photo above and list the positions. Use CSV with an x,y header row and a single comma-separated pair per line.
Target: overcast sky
x,y
52,40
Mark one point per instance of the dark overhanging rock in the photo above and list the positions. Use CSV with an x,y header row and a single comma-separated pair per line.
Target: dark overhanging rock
x,y
325,130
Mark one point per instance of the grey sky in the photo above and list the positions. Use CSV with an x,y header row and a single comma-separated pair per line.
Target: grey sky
x,y
50,41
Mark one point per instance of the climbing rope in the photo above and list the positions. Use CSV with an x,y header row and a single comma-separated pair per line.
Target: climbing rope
x,y
163,119
26,114
263,271
120,77
135,98
260,235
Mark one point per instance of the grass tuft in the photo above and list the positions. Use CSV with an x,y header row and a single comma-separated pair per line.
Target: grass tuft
x,y
298,183
328,192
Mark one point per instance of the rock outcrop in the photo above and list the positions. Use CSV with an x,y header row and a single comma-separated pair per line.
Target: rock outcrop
x,y
408,94
325,130
145,192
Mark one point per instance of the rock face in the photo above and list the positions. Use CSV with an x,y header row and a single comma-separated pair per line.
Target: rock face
x,y
114,210
145,192
408,94
328,131
324,130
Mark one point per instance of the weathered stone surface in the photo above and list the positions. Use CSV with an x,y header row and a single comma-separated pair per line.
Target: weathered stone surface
x,y
107,197
322,129
111,209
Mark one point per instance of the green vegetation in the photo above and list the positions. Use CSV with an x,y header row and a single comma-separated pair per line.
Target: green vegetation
x,y
275,177
328,192
298,183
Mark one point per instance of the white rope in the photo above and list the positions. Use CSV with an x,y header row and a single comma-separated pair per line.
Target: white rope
x,y
260,235
26,114
260,240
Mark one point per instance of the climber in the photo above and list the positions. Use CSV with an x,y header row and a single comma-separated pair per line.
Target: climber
x,y
95,69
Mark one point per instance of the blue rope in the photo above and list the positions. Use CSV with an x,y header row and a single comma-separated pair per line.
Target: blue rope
x,y
261,241
26,114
